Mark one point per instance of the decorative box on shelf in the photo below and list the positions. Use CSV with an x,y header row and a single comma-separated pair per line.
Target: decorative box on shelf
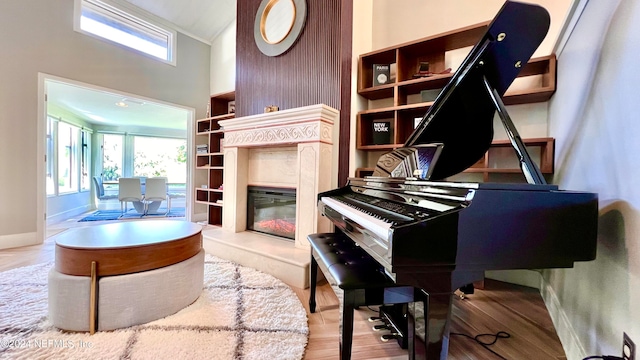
x,y
381,74
381,132
202,149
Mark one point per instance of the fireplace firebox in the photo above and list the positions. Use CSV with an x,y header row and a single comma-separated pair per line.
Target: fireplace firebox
x,y
272,211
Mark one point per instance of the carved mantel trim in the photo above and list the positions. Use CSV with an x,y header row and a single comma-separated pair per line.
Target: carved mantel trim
x,y
293,126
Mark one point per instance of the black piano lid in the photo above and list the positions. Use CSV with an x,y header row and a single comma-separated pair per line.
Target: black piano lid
x,y
461,117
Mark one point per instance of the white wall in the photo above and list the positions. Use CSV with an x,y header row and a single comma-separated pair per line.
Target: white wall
x,y
595,119
223,61
397,22
416,19
38,37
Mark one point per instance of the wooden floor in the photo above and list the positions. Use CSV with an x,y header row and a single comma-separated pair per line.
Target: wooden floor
x,y
514,309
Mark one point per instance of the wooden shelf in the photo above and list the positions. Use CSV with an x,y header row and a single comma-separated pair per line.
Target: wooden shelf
x,y
208,132
407,56
544,66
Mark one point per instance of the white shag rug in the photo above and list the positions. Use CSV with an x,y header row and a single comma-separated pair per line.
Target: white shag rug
x,y
242,313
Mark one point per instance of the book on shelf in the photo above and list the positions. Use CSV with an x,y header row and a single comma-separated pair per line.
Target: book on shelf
x,y
381,74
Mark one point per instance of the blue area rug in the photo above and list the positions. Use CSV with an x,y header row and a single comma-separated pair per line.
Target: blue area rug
x,y
104,215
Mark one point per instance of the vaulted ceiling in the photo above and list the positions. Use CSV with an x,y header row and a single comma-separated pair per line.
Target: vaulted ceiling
x,y
202,18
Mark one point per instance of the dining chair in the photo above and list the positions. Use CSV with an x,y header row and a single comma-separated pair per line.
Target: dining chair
x,y
171,196
129,190
155,190
97,181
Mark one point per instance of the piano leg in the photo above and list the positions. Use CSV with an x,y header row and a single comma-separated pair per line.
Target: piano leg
x,y
346,328
313,279
433,318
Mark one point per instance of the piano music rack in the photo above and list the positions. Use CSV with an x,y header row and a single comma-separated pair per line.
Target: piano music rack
x,y
500,159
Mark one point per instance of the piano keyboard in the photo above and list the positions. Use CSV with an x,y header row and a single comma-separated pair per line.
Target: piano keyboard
x,y
378,214
382,209
380,227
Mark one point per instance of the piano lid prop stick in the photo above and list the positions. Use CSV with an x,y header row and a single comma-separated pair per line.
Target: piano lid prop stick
x,y
531,171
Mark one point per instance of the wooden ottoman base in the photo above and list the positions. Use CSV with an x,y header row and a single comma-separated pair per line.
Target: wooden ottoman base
x,y
125,300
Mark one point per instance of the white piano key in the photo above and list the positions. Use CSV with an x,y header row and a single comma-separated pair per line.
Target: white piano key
x,y
378,226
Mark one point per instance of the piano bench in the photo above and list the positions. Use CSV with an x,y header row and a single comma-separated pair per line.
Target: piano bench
x,y
356,278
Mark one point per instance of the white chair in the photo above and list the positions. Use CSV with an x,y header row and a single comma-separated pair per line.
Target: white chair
x,y
129,190
155,190
173,195
100,195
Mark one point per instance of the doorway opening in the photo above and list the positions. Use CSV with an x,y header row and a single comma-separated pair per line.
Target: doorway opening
x,y
92,134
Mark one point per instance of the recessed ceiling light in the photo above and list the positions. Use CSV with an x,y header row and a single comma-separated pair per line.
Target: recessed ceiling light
x,y
134,101
122,104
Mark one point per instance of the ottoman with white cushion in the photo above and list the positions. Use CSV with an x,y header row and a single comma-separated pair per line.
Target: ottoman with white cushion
x,y
143,271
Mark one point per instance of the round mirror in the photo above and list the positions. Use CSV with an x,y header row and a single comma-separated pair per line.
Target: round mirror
x,y
277,20
278,24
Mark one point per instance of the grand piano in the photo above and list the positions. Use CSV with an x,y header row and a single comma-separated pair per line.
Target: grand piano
x,y
437,235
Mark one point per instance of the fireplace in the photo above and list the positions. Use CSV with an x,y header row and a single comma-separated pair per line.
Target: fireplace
x,y
272,211
286,149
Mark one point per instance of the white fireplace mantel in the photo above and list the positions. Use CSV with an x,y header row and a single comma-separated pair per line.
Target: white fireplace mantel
x,y
289,148
300,125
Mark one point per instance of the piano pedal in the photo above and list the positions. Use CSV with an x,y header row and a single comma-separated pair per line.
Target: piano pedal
x,y
463,291
375,318
468,289
387,337
395,318
381,327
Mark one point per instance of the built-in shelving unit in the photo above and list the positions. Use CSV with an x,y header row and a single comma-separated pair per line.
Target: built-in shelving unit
x,y
403,97
210,160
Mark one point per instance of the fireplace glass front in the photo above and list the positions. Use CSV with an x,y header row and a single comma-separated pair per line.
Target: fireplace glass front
x,y
272,211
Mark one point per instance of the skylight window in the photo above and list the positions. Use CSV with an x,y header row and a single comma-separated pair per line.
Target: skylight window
x,y
114,24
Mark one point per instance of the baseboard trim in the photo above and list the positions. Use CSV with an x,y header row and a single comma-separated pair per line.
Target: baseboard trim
x,y
59,217
19,240
573,348
530,278
571,344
